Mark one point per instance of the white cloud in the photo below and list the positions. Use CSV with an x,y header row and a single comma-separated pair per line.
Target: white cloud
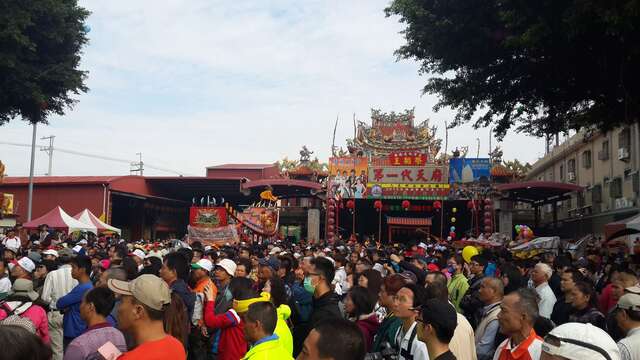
x,y
196,83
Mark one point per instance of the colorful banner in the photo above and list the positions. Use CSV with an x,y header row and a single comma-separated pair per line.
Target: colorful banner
x,y
466,170
430,174
407,158
6,204
209,217
344,165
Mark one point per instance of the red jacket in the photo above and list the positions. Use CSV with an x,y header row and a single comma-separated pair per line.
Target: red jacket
x,y
232,345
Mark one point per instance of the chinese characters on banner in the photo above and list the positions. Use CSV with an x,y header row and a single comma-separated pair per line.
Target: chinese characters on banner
x,y
407,159
424,182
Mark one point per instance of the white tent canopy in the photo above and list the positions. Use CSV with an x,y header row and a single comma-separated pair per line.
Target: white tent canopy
x,y
59,219
88,217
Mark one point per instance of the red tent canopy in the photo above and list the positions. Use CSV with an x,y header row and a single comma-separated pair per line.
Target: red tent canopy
x,y
58,219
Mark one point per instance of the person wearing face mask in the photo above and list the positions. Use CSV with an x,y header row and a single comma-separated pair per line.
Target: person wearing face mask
x,y
325,301
459,284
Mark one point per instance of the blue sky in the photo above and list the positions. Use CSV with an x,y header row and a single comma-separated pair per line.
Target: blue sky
x,y
200,82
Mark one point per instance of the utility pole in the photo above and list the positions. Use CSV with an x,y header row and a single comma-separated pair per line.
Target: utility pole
x,y
49,151
478,154
137,167
33,159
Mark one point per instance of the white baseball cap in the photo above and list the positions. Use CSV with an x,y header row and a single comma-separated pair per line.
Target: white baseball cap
x,y
228,265
577,341
139,253
77,248
27,264
50,252
82,242
204,264
275,250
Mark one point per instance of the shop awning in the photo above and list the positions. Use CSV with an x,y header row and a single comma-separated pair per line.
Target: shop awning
x,y
628,226
406,221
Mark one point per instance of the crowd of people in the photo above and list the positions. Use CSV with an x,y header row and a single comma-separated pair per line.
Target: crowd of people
x,y
107,298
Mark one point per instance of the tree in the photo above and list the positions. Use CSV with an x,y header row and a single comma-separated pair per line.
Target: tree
x,y
286,164
541,67
518,169
40,48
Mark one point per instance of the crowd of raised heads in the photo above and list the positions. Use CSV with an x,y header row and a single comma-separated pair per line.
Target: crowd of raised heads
x,y
107,298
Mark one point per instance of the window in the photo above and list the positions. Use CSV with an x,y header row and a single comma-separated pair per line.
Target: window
x,y
571,165
561,172
586,159
604,153
596,194
615,188
624,139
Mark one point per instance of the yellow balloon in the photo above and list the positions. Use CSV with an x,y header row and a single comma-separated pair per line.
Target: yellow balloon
x,y
453,219
468,252
455,210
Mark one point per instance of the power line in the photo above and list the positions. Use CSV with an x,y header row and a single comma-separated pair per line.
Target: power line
x,y
96,156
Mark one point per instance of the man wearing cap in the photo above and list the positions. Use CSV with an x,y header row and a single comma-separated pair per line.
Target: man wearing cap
x,y
199,336
138,257
23,269
223,272
57,284
50,254
438,322
10,253
627,315
141,313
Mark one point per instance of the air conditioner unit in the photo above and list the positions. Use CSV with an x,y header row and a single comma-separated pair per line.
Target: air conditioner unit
x,y
571,176
623,154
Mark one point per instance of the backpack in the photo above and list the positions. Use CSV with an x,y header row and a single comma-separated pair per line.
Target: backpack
x,y
14,318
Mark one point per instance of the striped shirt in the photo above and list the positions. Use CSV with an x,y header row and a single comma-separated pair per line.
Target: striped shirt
x,y
57,284
529,349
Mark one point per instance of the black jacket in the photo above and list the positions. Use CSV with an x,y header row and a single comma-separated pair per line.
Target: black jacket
x,y
325,307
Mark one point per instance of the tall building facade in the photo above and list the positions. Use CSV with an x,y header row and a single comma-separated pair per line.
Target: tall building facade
x,y
606,165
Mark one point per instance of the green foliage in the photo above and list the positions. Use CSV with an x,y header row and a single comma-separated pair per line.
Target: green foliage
x,y
540,66
40,48
518,169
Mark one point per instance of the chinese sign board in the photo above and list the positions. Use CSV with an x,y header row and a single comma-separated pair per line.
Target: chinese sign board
x,y
408,158
411,182
408,174
466,170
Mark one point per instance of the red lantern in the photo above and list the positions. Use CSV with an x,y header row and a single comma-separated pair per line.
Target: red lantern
x,y
487,214
437,205
351,204
452,234
332,202
331,208
487,201
331,228
487,221
487,229
331,221
406,204
377,204
470,204
487,207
